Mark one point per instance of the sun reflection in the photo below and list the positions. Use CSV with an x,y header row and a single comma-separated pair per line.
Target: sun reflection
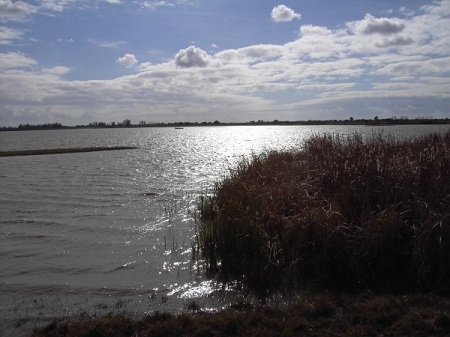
x,y
199,289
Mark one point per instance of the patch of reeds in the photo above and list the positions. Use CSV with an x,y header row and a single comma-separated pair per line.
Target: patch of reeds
x,y
343,214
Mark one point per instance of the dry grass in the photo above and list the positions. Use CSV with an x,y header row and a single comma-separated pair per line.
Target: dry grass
x,y
318,315
338,214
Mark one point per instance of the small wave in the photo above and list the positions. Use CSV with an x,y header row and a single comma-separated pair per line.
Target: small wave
x,y
19,255
34,237
26,236
128,265
32,289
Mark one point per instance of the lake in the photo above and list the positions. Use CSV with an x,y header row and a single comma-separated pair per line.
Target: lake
x,y
101,232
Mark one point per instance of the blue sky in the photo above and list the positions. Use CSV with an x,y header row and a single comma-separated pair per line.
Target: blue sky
x,y
81,61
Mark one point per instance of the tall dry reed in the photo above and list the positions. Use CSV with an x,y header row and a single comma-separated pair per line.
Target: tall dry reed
x,y
339,214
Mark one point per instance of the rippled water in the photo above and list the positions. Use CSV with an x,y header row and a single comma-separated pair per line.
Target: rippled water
x,y
111,231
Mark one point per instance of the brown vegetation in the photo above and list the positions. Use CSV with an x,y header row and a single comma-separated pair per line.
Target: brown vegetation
x,y
320,315
342,214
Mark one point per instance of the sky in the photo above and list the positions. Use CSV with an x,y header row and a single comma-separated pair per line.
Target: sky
x,y
77,62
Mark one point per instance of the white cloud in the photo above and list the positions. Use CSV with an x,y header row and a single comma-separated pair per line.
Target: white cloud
x,y
128,60
13,60
417,67
406,11
8,35
384,26
395,42
58,70
250,54
154,4
14,10
373,66
192,57
107,44
65,40
281,13
57,5
17,9
314,30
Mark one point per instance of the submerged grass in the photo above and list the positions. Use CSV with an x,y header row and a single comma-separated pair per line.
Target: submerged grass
x,y
342,214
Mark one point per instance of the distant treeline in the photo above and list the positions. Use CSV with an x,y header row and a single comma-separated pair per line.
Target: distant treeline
x,y
41,126
128,124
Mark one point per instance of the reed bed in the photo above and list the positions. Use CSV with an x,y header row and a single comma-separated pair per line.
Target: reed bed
x,y
339,214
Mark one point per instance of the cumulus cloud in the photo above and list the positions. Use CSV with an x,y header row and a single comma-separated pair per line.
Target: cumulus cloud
x,y
128,60
282,13
192,57
384,26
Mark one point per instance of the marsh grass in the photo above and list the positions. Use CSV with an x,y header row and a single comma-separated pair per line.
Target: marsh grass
x,y
344,214
313,315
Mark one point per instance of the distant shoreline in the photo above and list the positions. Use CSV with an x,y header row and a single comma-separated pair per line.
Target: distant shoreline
x,y
62,151
179,125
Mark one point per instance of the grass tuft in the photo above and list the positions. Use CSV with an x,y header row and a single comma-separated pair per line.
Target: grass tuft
x,y
343,214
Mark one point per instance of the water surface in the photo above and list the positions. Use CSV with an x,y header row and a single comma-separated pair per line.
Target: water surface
x,y
102,232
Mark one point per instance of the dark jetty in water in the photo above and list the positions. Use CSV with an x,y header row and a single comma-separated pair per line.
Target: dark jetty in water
x,y
62,150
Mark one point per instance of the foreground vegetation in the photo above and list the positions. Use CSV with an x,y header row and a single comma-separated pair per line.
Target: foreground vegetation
x,y
320,315
340,214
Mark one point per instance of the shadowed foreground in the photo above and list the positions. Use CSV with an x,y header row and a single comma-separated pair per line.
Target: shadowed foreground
x,y
321,315
62,150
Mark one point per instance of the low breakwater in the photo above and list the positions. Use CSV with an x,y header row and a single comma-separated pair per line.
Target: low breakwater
x,y
62,151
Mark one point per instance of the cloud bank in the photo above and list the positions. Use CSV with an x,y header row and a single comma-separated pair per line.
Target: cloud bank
x,y
381,66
